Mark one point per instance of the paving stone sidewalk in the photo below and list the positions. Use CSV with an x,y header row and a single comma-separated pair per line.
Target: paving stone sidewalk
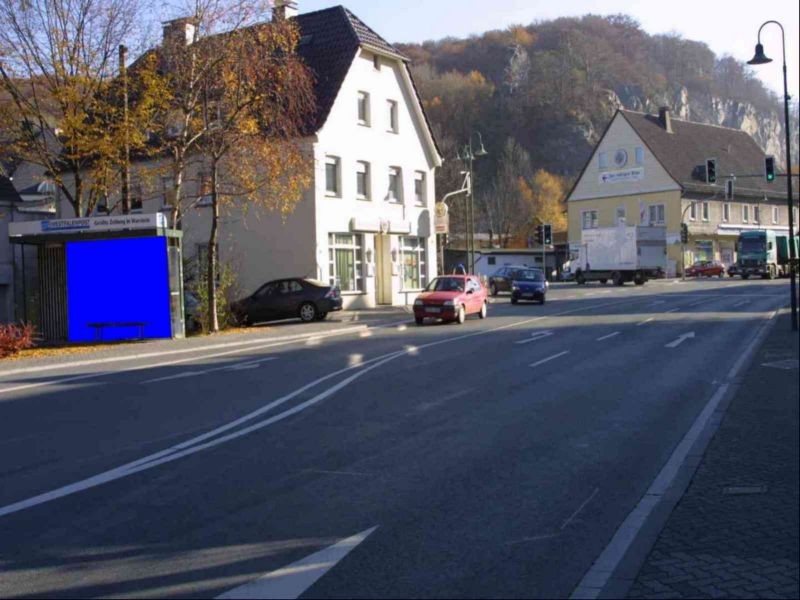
x,y
735,533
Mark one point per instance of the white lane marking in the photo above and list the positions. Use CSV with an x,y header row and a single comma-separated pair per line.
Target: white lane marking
x,y
134,357
539,335
646,321
598,575
411,350
547,360
355,360
195,444
788,364
250,364
608,337
742,303
674,310
574,515
680,340
293,580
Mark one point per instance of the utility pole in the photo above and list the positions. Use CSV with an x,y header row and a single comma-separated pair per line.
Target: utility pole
x,y
126,149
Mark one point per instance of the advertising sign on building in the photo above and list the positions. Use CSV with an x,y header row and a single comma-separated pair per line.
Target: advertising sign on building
x,y
88,224
622,176
442,218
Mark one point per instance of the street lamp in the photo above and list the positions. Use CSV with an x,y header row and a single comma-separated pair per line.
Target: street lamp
x,y
761,59
469,154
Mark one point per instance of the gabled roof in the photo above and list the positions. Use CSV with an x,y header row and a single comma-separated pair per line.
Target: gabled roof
x,y
7,191
684,152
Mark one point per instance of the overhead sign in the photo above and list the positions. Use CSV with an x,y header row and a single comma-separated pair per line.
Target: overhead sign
x,y
442,218
375,225
622,176
88,224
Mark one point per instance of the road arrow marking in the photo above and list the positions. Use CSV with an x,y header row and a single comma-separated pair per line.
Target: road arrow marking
x,y
293,580
789,364
680,340
242,366
539,335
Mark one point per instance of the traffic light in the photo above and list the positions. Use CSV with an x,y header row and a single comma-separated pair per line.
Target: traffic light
x,y
729,189
548,235
769,168
540,234
711,170
684,233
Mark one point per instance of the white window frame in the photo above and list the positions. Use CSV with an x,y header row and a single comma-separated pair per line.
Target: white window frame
x,y
364,105
364,169
593,222
395,195
756,214
745,213
657,214
776,217
620,214
693,211
706,211
394,116
639,156
726,212
420,188
356,246
336,163
417,246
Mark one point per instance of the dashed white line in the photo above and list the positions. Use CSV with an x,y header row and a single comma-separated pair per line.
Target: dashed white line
x,y
608,337
646,321
535,337
547,360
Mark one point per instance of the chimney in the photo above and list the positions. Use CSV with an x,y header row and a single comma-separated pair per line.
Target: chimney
x,y
664,119
180,31
284,9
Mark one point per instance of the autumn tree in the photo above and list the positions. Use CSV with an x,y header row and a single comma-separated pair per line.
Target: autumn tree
x,y
255,105
543,198
59,103
502,202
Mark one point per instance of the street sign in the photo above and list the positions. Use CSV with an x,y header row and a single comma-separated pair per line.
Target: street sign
x,y
441,219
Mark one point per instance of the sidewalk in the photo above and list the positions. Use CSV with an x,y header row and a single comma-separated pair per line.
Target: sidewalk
x,y
281,330
736,531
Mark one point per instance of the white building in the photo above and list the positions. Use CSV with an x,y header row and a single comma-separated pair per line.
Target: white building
x,y
367,221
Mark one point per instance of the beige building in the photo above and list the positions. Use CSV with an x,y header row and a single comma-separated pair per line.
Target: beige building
x,y
651,170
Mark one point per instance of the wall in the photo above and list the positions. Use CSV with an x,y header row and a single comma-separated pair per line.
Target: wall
x,y
344,138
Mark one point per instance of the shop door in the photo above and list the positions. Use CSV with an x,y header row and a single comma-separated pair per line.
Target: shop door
x,y
383,270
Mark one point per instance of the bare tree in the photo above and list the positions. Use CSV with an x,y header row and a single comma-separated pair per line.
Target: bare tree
x,y
503,202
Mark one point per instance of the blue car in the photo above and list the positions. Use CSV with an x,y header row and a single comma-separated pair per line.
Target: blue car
x,y
529,285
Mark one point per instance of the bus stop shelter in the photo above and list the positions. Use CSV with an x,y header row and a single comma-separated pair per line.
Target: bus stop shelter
x,y
102,278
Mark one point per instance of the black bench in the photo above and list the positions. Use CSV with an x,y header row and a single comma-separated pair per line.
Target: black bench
x,y
99,328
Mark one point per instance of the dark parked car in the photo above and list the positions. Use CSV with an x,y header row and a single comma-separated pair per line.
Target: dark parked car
x,y
304,299
502,279
529,284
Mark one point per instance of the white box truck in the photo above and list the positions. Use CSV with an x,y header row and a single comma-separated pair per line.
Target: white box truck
x,y
621,254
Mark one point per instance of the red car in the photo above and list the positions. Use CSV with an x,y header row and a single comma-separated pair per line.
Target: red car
x,y
706,268
451,298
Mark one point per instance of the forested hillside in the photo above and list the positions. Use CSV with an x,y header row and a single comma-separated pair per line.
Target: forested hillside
x,y
542,94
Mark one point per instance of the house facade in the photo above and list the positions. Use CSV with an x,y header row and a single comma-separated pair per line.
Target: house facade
x,y
651,170
366,222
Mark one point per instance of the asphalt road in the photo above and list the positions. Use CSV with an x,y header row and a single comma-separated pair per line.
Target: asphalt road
x,y
493,459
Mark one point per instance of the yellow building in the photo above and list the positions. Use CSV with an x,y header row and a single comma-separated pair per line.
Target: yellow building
x,y
651,170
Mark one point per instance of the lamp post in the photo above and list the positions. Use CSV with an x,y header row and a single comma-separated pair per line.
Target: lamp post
x,y
468,155
761,59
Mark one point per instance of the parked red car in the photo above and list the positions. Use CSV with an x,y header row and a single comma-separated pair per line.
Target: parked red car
x,y
452,298
706,268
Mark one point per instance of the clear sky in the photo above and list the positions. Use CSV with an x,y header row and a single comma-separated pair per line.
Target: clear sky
x,y
728,27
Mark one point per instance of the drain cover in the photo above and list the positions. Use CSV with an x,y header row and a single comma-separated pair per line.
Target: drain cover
x,y
744,490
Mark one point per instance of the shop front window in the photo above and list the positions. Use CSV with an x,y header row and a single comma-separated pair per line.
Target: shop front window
x,y
414,262
345,256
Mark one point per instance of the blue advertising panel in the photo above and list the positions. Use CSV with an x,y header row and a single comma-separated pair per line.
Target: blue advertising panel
x,y
118,289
